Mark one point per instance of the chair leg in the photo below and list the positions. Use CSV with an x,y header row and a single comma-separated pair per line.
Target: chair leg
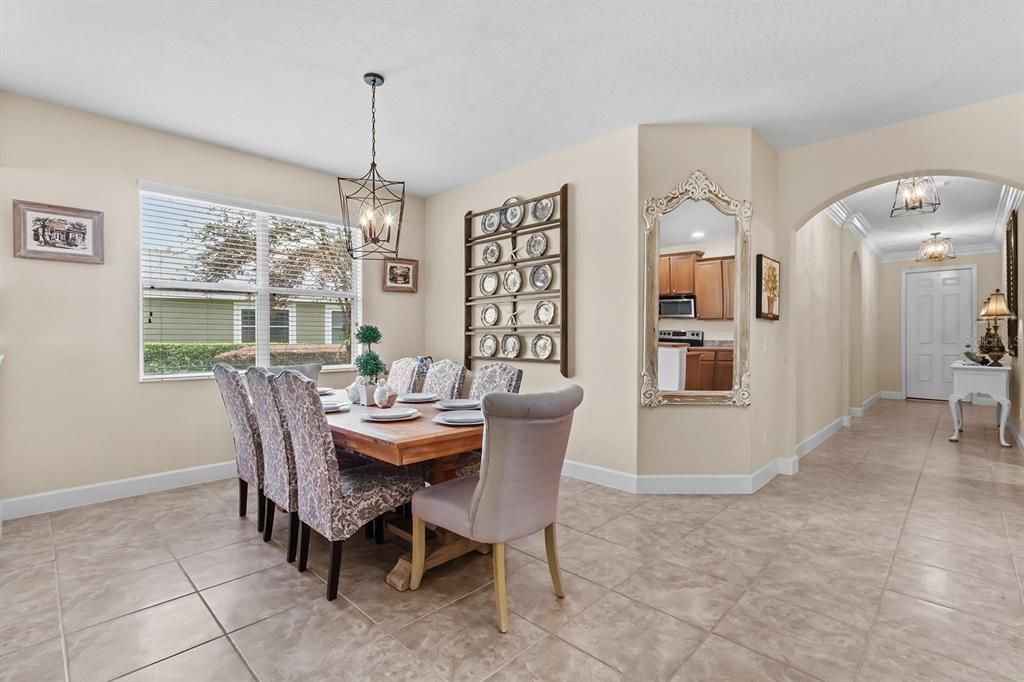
x,y
500,594
261,510
552,551
419,551
368,529
303,547
378,530
335,574
268,519
243,496
293,535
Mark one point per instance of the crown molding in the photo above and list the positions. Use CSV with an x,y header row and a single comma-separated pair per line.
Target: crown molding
x,y
960,251
1009,199
856,223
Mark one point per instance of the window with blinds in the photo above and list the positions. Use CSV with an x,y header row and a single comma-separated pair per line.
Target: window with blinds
x,y
230,283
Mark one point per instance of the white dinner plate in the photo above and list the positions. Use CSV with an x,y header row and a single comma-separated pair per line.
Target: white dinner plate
x,y
324,390
330,407
460,418
459,404
418,397
390,415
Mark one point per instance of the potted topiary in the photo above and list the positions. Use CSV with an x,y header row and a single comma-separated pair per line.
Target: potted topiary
x,y
368,363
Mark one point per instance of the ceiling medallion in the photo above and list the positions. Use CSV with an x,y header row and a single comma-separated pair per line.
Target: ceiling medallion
x,y
915,196
936,250
372,202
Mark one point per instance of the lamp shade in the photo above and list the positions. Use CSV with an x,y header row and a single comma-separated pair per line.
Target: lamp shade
x,y
996,307
983,315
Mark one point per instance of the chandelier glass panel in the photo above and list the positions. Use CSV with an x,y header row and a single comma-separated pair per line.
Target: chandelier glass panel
x,y
372,202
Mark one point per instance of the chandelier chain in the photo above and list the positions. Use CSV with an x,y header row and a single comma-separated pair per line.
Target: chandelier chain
x,y
373,125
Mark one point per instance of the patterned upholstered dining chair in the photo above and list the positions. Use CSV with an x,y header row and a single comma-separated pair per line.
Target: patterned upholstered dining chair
x,y
406,375
246,436
445,378
516,491
497,377
334,502
280,485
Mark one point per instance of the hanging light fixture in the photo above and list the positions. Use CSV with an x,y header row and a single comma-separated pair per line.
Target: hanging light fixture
x,y
915,196
936,249
373,202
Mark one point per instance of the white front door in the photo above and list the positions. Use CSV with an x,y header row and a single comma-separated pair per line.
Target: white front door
x,y
939,310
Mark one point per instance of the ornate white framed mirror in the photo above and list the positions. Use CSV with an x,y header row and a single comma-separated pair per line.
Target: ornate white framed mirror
x,y
696,278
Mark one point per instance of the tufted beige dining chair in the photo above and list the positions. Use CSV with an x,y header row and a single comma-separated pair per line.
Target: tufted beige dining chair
x,y
406,375
445,378
516,492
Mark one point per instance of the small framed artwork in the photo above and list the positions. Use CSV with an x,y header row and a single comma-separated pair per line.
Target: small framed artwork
x,y
57,232
401,274
769,283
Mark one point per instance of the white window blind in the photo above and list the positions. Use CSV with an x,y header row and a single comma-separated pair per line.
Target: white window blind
x,y
229,283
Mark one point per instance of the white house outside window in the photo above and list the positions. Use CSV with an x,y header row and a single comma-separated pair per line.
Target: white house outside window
x,y
225,281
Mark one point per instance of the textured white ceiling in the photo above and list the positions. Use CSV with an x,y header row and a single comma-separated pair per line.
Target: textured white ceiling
x,y
677,227
474,88
971,214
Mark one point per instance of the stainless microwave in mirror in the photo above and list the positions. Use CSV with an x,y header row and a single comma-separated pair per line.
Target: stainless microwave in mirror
x,y
677,306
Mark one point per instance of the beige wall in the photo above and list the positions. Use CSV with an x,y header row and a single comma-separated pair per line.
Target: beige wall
x,y
890,365
602,178
73,410
983,140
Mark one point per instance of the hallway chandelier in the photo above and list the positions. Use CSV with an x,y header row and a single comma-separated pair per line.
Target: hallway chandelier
x,y
915,196
372,201
936,249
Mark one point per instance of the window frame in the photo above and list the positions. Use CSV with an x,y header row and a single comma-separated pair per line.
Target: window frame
x,y
261,291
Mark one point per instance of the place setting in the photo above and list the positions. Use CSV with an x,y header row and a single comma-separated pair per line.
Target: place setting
x,y
456,404
391,414
460,418
422,397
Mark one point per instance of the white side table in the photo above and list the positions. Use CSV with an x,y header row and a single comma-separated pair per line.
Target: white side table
x,y
971,379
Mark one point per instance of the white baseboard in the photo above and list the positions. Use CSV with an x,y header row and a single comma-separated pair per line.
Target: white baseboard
x,y
892,395
856,412
859,410
821,436
1018,439
681,484
55,500
847,420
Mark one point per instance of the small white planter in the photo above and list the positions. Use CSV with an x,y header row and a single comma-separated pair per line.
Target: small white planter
x,y
366,394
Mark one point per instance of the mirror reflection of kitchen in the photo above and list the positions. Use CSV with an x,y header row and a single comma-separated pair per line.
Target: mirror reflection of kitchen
x,y
696,281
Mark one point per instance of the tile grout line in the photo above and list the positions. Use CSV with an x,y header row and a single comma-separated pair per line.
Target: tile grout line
x,y
60,606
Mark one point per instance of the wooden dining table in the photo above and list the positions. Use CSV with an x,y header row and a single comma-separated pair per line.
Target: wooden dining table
x,y
412,441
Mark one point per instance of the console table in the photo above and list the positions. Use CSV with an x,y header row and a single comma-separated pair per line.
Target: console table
x,y
970,379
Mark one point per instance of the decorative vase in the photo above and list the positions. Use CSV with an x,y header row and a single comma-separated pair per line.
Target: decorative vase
x,y
366,391
771,305
384,396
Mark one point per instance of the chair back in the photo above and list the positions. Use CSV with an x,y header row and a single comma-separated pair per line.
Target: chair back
x,y
316,463
310,370
445,378
279,479
497,377
244,431
525,437
406,374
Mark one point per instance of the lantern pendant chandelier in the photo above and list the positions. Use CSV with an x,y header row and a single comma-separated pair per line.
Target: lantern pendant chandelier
x,y
372,202
915,196
936,250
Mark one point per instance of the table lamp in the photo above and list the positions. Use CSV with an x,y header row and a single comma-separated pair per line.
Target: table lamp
x,y
995,309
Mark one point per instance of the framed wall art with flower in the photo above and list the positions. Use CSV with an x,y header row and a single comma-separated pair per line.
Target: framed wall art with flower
x,y
769,287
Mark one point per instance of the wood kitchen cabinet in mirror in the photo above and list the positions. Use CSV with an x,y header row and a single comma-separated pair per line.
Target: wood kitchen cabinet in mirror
x,y
696,291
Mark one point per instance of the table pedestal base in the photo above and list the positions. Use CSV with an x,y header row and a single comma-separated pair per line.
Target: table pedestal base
x,y
451,546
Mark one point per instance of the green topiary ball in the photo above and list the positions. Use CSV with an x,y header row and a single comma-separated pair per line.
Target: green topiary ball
x,y
367,334
370,365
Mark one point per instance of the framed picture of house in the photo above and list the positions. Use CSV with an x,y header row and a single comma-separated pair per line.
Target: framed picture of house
x,y
57,232
401,274
769,285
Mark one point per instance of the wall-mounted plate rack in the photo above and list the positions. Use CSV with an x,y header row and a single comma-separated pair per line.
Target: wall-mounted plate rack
x,y
520,305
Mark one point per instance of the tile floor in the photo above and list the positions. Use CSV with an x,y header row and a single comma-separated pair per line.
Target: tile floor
x,y
892,555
